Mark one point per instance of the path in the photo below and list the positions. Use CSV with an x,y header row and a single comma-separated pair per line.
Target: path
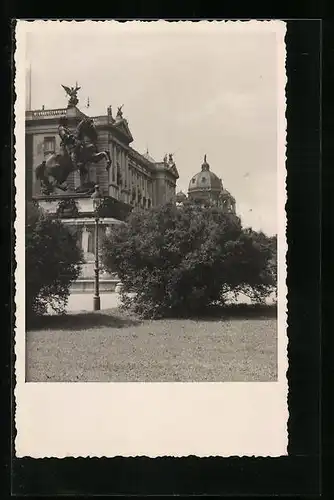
x,y
84,301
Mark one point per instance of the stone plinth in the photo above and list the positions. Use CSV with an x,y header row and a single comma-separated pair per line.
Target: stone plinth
x,y
50,203
87,286
85,228
84,225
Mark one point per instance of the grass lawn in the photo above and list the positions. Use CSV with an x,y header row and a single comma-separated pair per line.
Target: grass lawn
x,y
110,346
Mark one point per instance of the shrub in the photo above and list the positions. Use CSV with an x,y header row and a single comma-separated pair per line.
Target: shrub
x,y
53,262
179,260
255,274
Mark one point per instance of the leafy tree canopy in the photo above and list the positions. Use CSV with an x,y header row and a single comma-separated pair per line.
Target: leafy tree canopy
x,y
175,260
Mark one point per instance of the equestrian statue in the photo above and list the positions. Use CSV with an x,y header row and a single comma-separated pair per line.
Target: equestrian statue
x,y
77,150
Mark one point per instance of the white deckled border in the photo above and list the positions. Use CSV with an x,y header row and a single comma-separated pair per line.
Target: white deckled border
x,y
152,419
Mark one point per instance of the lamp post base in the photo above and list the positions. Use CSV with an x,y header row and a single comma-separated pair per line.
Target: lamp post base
x,y
96,303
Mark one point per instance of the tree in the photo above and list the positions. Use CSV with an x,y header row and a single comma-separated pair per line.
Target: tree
x,y
175,260
53,262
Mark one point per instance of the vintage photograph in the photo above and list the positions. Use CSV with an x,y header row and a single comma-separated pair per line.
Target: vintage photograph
x,y
153,204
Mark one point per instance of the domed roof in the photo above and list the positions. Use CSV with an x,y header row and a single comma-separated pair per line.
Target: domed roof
x,y
180,197
205,180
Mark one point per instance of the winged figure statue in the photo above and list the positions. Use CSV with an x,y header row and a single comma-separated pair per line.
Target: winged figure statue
x,y
72,92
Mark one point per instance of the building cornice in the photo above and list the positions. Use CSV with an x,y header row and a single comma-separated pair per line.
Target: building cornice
x,y
47,115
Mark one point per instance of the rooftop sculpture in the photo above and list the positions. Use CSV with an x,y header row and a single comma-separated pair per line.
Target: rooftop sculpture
x,y
72,92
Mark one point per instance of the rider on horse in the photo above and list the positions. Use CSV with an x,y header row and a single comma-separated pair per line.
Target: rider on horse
x,y
70,143
80,148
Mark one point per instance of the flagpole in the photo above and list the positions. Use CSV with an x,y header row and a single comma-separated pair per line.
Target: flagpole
x,y
29,71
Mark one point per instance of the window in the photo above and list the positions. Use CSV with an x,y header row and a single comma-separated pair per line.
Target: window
x,y
203,179
49,145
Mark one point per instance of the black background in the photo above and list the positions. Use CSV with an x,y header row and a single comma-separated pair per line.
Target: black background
x,y
296,474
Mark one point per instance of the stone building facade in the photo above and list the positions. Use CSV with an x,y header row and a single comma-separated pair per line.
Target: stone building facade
x,y
133,181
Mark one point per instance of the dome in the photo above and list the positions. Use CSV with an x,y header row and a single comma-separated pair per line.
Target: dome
x,y
205,181
180,197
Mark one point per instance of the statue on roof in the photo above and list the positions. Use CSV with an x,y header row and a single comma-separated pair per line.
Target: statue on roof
x,y
120,112
72,92
170,158
205,165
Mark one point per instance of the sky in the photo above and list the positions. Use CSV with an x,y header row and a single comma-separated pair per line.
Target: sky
x,y
188,88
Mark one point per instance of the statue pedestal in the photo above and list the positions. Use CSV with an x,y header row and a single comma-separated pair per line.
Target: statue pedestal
x,y
76,211
50,203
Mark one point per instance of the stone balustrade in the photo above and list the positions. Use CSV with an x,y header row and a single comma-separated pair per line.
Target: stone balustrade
x,y
45,113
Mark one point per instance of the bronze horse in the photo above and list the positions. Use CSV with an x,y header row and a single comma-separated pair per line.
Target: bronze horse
x,y
54,171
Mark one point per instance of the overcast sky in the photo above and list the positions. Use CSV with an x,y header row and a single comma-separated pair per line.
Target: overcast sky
x,y
187,88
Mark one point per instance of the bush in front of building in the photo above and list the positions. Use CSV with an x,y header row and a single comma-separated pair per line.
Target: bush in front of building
x,y
256,270
180,260
53,262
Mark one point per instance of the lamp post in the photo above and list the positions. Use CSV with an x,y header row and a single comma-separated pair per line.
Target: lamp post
x,y
97,199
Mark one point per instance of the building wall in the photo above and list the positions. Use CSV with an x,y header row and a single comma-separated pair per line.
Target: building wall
x,y
160,188
164,186
131,178
140,183
38,141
